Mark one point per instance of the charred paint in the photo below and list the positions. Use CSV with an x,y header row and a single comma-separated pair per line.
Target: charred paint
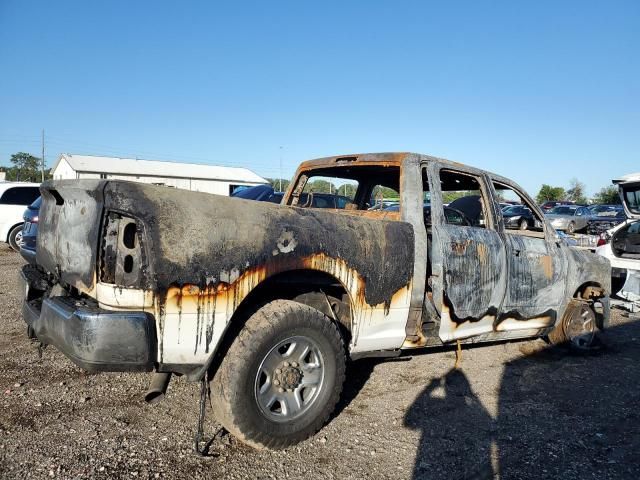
x,y
203,254
181,251
547,265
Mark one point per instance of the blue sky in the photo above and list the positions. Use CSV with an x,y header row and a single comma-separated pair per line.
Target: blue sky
x,y
538,91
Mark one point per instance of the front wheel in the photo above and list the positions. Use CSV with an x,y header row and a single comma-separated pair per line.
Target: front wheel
x,y
524,224
571,228
282,376
15,238
577,328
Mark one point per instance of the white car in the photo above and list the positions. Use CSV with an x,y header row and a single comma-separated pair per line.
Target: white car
x,y
621,244
14,198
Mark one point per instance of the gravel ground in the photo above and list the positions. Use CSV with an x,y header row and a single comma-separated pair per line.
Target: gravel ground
x,y
518,410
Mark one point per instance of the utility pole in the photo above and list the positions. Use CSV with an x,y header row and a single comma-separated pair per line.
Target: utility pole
x,y
42,155
280,179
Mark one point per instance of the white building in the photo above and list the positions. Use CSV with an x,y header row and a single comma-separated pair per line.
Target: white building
x,y
188,176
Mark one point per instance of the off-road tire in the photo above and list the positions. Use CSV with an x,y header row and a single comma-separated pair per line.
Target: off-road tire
x,y
13,241
233,386
523,224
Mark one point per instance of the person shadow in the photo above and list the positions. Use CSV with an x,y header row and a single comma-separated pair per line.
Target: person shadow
x,y
559,414
457,432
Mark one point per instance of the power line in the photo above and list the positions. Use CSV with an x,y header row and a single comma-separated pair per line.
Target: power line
x,y
42,160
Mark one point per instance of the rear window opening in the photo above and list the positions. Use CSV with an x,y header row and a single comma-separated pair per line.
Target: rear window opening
x,y
363,187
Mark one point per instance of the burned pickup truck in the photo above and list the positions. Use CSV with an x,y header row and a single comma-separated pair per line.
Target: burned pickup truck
x,y
269,301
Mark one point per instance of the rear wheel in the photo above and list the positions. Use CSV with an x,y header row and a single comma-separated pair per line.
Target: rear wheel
x,y
577,329
15,238
282,376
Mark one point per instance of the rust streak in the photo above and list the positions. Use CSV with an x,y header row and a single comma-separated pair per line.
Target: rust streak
x,y
547,265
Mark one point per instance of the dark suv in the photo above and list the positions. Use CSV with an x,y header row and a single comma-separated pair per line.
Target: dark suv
x,y
30,231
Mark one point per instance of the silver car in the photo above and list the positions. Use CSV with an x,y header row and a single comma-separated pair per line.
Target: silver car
x,y
569,218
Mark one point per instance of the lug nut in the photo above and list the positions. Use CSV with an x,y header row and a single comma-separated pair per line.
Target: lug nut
x,y
294,364
281,390
286,364
276,382
278,371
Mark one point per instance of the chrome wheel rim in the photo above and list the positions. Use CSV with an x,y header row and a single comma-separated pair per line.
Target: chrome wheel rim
x,y
581,328
289,379
18,239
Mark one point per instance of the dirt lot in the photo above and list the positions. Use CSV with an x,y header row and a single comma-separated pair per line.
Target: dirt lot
x,y
518,410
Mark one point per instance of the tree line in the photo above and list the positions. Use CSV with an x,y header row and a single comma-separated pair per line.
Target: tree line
x,y
25,168
576,193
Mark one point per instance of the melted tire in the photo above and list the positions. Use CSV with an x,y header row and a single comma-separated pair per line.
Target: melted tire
x,y
233,386
561,334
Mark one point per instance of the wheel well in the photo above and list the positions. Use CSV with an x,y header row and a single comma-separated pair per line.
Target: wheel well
x,y
590,291
11,230
316,289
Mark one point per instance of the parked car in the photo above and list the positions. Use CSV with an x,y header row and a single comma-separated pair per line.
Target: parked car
x,y
453,216
569,218
621,244
601,209
606,220
30,231
265,193
546,206
261,193
269,301
324,200
14,197
518,216
505,205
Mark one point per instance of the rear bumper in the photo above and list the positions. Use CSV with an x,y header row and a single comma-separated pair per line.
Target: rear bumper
x,y
28,254
94,339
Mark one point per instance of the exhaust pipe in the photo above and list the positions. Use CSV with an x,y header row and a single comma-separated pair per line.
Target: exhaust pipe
x,y
157,388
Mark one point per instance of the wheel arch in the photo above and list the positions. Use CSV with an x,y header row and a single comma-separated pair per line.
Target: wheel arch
x,y
590,291
315,288
10,229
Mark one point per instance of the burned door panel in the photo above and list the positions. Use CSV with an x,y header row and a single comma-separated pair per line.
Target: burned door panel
x,y
468,261
536,273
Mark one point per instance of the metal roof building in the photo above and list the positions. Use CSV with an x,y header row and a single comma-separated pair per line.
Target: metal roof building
x,y
188,176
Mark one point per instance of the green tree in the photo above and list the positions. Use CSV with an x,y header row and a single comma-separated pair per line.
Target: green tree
x,y
607,196
320,186
26,168
549,193
384,192
448,197
276,182
576,192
